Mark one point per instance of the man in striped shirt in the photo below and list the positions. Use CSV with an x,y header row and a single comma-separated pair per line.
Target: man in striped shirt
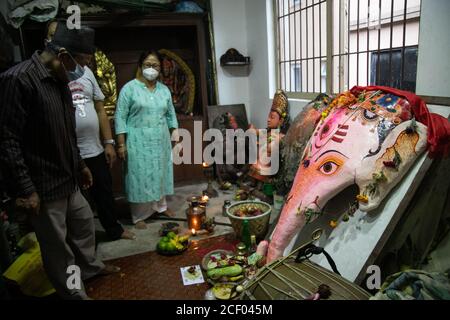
x,y
41,163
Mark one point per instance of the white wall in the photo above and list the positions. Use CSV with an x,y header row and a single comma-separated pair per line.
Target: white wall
x,y
262,49
433,74
258,49
230,31
247,25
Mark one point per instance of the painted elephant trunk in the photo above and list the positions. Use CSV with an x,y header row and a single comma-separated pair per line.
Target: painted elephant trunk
x,y
303,205
284,232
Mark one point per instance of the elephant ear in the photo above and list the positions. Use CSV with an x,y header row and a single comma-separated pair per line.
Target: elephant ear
x,y
379,174
294,143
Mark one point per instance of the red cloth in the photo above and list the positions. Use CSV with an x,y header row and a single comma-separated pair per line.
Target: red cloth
x,y
438,126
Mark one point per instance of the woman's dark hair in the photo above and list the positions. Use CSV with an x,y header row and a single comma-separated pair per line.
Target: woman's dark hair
x,y
145,54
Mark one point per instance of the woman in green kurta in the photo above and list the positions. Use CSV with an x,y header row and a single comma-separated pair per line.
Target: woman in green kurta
x,y
144,118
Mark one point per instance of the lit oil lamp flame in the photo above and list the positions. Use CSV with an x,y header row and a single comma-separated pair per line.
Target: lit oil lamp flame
x,y
205,165
193,231
205,198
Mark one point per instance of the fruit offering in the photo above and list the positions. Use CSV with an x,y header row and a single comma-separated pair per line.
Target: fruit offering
x,y
230,271
172,244
218,260
248,210
226,185
223,267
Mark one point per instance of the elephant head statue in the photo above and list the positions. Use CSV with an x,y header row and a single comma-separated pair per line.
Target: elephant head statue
x,y
371,139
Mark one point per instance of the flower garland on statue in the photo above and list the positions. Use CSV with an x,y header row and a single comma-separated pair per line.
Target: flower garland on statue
x,y
343,100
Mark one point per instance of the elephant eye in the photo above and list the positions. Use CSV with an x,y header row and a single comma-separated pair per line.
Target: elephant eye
x,y
329,167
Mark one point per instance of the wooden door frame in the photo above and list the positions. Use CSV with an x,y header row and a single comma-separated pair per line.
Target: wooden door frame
x,y
163,20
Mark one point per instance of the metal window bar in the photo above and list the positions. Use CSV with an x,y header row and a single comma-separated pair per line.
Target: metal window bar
x,y
368,42
391,42
307,51
402,76
290,49
329,49
339,58
357,46
379,44
307,11
295,48
286,54
284,34
301,48
320,47
284,50
279,40
370,51
284,19
314,47
348,44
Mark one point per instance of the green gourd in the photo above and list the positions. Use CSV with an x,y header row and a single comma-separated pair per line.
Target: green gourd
x,y
225,272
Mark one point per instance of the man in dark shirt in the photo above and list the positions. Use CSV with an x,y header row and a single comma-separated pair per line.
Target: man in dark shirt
x,y
41,164
6,61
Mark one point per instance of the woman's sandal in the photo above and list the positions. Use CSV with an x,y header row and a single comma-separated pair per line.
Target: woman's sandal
x,y
110,269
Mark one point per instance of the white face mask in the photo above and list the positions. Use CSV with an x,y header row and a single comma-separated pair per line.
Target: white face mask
x,y
150,74
76,74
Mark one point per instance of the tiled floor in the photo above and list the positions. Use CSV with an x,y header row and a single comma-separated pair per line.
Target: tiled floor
x,y
152,276
147,239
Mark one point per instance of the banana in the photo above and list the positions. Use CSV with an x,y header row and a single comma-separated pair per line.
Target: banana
x,y
183,239
234,279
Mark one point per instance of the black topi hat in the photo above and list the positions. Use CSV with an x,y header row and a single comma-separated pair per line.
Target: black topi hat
x,y
76,40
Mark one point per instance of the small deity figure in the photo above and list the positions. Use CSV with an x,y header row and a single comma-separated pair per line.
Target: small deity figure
x,y
229,171
277,125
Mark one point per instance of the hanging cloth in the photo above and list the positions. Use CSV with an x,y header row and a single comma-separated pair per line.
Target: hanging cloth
x,y
37,10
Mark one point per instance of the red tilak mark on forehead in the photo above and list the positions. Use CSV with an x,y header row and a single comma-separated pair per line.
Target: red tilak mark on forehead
x,y
338,140
341,133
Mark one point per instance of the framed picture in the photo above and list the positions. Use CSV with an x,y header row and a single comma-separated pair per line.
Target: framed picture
x,y
225,117
179,78
220,117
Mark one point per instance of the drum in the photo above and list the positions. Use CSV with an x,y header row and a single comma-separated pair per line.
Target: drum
x,y
296,278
